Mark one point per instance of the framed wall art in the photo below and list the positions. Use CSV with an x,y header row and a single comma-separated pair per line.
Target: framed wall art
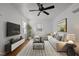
x,y
62,25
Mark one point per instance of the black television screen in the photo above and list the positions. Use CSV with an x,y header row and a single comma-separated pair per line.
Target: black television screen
x,y
12,29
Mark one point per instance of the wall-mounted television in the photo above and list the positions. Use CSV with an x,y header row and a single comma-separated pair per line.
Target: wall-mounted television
x,y
12,29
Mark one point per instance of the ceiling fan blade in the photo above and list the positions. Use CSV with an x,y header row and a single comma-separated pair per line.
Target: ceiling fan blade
x,y
46,12
50,7
39,13
33,10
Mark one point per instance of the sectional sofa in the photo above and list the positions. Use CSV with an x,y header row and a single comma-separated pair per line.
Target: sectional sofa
x,y
59,45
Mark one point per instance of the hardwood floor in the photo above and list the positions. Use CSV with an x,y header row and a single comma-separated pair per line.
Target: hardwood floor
x,y
17,50
48,51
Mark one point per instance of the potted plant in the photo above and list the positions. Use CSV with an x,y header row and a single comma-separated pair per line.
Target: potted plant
x,y
29,31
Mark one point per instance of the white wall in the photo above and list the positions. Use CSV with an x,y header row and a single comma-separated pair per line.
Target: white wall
x,y
9,13
47,26
72,20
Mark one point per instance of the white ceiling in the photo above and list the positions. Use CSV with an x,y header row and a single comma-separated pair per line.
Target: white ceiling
x,y
25,7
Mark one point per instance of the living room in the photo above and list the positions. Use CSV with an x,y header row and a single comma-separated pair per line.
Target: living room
x,y
62,21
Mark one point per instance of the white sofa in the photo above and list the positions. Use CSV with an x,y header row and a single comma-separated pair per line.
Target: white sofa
x,y
53,41
56,44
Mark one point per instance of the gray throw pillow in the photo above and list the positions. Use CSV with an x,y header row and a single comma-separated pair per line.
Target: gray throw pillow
x,y
60,38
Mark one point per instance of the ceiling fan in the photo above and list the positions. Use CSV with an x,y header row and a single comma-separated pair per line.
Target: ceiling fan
x,y
42,9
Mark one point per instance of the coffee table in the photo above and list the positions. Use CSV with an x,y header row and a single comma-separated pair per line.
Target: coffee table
x,y
38,45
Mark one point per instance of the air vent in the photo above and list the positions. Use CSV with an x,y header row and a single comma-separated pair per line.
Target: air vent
x,y
75,11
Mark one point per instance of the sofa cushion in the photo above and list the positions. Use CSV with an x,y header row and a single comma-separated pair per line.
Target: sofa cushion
x,y
36,39
60,46
52,41
59,38
63,35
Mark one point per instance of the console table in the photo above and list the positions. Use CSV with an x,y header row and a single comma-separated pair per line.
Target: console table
x,y
10,47
15,45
